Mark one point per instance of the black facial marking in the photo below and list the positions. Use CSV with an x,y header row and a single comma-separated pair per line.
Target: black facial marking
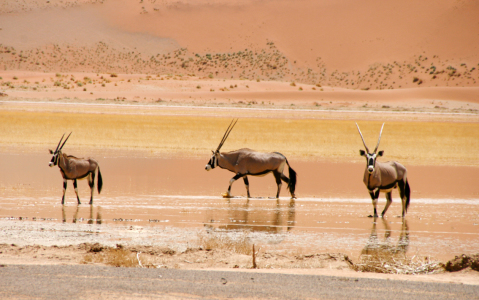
x,y
55,158
212,162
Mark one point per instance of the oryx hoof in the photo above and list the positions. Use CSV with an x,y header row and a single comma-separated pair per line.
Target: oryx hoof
x,y
226,195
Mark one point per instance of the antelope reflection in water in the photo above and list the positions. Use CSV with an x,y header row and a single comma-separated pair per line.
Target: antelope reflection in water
x,y
386,248
243,217
90,220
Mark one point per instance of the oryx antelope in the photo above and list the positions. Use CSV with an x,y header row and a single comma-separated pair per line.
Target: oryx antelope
x,y
244,162
384,176
73,168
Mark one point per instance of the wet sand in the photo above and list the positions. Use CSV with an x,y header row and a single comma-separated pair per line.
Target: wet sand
x,y
170,201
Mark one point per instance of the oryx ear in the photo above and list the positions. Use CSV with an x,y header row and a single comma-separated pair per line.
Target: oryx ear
x,y
51,151
380,153
362,152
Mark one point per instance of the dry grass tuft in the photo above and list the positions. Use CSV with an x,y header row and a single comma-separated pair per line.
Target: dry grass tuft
x,y
217,240
116,257
120,258
390,263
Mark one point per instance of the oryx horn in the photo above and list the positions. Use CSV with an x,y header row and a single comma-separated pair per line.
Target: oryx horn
x,y
379,139
58,146
364,143
227,133
65,140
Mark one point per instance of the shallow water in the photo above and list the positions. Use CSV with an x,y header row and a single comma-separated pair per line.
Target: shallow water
x,y
171,202
439,229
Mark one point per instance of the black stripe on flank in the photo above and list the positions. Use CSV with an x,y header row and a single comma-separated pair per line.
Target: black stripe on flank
x,y
389,186
260,173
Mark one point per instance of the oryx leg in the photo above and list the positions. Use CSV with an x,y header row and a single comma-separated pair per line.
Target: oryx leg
x,y
76,190
374,197
64,190
246,183
228,193
284,178
91,183
277,176
389,200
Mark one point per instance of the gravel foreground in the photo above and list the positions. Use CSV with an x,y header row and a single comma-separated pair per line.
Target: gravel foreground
x,y
87,282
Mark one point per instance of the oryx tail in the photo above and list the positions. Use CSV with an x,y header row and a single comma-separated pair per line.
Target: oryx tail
x,y
100,181
407,194
292,178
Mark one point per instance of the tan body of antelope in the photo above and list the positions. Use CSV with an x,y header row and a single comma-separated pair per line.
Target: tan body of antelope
x,y
245,162
384,177
74,168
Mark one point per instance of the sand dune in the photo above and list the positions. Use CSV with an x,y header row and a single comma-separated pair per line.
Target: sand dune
x,y
350,44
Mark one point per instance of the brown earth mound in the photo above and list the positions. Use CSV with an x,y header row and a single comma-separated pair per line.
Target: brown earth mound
x,y
462,262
